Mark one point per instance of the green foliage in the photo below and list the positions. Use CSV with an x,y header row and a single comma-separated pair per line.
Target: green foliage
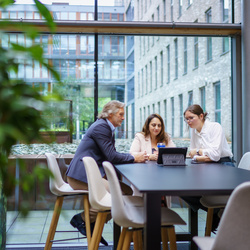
x,y
21,105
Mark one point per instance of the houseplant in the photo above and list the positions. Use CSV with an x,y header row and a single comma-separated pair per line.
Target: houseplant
x,y
20,107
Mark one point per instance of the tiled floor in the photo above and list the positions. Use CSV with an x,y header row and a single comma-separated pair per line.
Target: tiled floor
x,y
32,230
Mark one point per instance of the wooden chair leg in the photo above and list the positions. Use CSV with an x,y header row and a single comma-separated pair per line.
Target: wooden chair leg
x,y
209,222
172,238
121,238
127,240
164,238
54,222
104,218
94,243
140,239
86,217
136,240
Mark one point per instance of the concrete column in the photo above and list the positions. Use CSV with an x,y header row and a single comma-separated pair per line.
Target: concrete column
x,y
245,75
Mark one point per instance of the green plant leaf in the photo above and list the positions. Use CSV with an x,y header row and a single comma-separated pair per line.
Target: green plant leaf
x,y
46,14
5,3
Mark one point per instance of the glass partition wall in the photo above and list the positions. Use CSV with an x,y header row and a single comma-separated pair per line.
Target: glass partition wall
x,y
149,73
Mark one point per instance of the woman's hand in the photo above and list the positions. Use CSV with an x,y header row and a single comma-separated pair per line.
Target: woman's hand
x,y
192,153
153,157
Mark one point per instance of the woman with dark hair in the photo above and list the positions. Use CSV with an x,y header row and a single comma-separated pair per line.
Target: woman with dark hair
x,y
153,132
208,141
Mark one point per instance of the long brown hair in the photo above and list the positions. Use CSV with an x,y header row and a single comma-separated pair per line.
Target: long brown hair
x,y
162,136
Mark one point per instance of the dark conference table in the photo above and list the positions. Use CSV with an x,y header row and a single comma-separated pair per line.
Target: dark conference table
x,y
191,180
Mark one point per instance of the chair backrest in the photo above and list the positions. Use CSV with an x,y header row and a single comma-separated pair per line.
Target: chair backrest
x,y
118,211
56,182
99,197
234,228
245,161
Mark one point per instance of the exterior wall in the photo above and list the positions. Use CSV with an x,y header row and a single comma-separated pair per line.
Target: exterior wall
x,y
218,69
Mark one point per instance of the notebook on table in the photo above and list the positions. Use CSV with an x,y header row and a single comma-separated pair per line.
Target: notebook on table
x,y
172,156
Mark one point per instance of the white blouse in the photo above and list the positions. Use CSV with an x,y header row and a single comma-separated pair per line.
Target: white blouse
x,y
211,140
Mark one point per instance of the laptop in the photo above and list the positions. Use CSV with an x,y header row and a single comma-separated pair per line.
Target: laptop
x,y
172,156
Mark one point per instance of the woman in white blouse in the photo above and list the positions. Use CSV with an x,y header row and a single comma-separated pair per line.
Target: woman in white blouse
x,y
153,132
208,144
208,141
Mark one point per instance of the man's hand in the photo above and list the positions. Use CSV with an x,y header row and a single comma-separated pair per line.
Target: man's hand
x,y
141,157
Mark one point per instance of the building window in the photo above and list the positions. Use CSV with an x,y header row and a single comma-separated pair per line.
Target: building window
x,y
172,113
156,72
144,113
196,52
190,98
225,6
159,107
180,8
165,113
146,79
181,118
172,10
5,15
141,9
142,83
140,118
225,44
148,110
176,57
203,98
153,108
164,11
161,56
225,40
217,102
185,56
209,39
151,77
153,42
139,85
145,10
143,45
168,63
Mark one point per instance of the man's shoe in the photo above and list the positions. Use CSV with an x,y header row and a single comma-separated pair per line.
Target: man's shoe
x,y
78,223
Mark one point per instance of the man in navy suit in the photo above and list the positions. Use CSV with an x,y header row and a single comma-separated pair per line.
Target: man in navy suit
x,y
99,143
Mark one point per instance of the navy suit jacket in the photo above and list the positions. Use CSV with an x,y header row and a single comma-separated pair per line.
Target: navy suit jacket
x,y
99,144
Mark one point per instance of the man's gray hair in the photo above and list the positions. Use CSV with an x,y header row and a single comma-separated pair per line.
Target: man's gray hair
x,y
111,107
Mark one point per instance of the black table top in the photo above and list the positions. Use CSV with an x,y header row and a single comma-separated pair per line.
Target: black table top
x,y
189,180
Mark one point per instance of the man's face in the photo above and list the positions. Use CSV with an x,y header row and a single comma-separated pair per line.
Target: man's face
x,y
117,119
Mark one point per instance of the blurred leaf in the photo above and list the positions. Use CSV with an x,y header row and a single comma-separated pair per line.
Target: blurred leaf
x,y
46,14
5,3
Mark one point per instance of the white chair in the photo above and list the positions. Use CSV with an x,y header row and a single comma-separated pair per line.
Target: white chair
x,y
128,216
100,199
61,189
220,201
233,232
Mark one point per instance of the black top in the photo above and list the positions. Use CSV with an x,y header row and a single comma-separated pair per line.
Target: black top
x,y
189,180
